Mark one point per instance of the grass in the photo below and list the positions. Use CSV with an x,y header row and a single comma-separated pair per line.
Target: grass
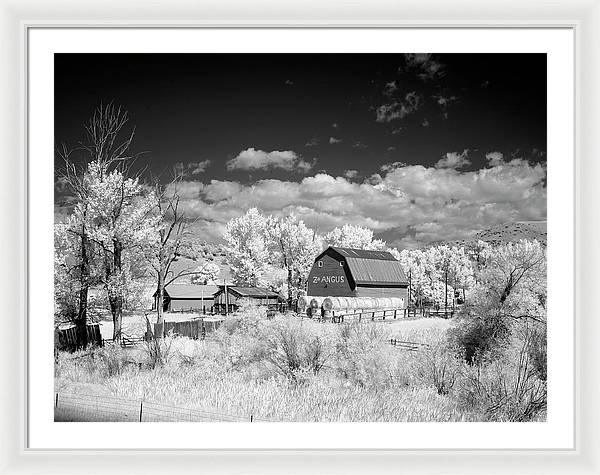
x,y
288,369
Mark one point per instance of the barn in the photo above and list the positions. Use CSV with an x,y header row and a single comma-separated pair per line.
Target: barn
x,y
229,296
345,272
187,297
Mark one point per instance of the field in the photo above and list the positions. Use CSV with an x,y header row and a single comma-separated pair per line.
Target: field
x,y
285,369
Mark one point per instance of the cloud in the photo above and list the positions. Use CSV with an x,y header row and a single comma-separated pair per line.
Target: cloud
x,y
192,168
495,159
411,103
359,144
335,125
425,122
252,159
397,130
289,82
424,65
408,205
333,140
391,148
312,142
390,88
454,160
444,101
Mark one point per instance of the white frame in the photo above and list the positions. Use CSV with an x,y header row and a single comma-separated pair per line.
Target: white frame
x,y
582,15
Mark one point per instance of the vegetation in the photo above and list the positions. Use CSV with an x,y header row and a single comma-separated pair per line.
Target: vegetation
x,y
490,365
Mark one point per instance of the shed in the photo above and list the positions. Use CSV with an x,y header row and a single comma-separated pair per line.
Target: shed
x,y
346,272
187,297
229,296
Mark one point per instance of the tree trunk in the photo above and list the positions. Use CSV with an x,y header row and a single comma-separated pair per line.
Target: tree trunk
x,y
116,300
84,273
446,292
290,285
159,305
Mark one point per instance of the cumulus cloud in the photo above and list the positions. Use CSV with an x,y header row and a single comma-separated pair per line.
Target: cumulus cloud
x,y
334,140
454,160
312,142
252,159
495,158
192,168
426,66
405,204
399,109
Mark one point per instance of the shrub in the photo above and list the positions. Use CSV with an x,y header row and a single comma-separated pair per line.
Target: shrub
x,y
439,366
475,337
508,388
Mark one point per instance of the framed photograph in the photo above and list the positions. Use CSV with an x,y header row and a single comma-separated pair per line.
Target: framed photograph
x,y
303,245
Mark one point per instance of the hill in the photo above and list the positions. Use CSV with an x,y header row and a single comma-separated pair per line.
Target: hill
x,y
503,233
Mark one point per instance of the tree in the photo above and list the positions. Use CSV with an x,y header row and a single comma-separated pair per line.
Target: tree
x,y
510,294
248,248
206,272
119,209
295,247
355,237
124,222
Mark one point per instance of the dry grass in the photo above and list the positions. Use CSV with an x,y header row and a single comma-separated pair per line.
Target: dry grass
x,y
288,369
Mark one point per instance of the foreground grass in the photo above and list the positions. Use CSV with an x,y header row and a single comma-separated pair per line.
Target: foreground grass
x,y
287,369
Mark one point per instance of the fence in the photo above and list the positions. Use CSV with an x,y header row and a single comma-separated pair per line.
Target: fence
x,y
66,338
195,329
70,407
407,345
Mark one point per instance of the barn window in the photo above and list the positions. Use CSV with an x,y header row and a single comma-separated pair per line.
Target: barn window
x,y
320,264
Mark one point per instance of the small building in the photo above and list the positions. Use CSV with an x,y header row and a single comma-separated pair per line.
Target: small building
x,y
187,298
345,272
229,297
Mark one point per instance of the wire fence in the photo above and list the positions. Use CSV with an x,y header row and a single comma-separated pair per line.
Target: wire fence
x,y
69,407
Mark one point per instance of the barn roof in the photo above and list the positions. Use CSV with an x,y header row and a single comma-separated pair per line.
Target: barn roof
x,y
190,291
255,292
371,267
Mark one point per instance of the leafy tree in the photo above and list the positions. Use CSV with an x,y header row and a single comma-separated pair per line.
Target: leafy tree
x,y
206,272
295,249
356,237
248,248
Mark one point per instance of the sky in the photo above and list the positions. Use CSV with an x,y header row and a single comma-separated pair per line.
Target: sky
x,y
417,147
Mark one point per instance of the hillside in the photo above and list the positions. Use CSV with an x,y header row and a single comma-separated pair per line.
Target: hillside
x,y
503,233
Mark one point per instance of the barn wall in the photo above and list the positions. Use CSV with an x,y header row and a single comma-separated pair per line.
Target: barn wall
x,y
398,292
330,280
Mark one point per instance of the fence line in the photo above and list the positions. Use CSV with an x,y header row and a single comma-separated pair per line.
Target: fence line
x,y
69,407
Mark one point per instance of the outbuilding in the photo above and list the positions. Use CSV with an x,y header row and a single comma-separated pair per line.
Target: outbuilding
x,y
229,297
187,297
346,272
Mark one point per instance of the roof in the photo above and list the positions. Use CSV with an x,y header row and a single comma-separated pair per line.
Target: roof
x,y
256,292
189,291
371,267
364,254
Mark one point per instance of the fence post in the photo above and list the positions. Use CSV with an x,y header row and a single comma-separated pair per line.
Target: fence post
x,y
141,408
56,402
251,418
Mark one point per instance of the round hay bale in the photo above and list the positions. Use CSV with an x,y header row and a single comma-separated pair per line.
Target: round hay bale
x,y
327,304
314,303
302,303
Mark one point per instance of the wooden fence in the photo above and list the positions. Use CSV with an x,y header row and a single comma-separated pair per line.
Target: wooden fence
x,y
66,338
407,345
195,329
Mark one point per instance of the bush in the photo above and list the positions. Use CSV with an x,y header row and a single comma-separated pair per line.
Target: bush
x,y
508,388
475,337
439,366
